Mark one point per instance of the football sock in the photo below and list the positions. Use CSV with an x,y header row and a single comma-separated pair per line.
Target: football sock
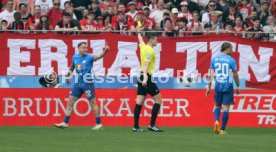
x,y
217,113
154,113
225,117
137,112
66,119
98,120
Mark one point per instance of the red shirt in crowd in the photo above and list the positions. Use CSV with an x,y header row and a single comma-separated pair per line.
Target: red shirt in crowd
x,y
33,21
91,25
54,16
245,11
18,26
152,22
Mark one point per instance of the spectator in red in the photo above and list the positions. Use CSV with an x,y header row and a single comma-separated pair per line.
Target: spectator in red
x,y
55,13
122,24
4,25
8,14
196,26
122,8
79,6
89,25
105,4
17,24
44,23
245,9
132,10
107,22
150,20
141,23
185,12
24,13
34,20
100,24
239,25
168,27
45,5
95,8
28,3
174,15
181,27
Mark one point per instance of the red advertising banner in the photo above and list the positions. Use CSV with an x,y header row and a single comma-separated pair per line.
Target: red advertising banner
x,y
36,54
44,107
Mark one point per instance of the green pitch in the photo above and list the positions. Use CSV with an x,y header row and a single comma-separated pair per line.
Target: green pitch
x,y
121,139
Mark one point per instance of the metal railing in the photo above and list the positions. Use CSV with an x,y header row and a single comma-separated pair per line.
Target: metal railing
x,y
262,36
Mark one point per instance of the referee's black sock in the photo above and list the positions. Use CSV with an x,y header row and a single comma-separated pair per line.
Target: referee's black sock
x,y
154,113
137,112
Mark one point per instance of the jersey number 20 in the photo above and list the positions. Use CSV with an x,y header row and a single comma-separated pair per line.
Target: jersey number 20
x,y
222,69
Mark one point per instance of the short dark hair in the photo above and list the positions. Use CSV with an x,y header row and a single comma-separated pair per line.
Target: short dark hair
x,y
81,43
66,14
225,46
21,4
150,36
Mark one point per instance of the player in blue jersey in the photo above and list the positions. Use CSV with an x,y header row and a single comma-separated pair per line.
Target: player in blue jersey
x,y
223,69
83,63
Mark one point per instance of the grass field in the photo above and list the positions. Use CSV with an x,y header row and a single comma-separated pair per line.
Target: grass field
x,y
121,139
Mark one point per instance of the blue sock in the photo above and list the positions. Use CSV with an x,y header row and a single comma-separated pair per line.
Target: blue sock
x,y
217,113
225,117
66,119
98,120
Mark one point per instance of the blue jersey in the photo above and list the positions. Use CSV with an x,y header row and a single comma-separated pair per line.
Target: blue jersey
x,y
223,65
83,65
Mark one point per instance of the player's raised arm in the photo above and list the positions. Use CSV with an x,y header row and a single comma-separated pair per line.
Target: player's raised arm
x,y
211,78
101,54
140,38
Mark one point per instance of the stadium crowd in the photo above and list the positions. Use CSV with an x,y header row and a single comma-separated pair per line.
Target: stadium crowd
x,y
173,17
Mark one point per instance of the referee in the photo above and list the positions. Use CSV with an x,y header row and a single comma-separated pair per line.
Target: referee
x,y
146,84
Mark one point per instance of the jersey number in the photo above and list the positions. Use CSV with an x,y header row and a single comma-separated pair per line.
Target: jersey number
x,y
222,69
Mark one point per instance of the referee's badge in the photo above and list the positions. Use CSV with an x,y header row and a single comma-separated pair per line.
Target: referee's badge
x,y
148,57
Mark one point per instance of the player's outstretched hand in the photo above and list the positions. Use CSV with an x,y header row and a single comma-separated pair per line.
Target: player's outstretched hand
x,y
208,91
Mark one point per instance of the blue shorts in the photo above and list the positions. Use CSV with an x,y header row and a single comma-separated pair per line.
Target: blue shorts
x,y
224,98
88,89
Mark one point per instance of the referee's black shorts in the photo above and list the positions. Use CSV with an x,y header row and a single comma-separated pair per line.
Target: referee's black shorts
x,y
151,87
